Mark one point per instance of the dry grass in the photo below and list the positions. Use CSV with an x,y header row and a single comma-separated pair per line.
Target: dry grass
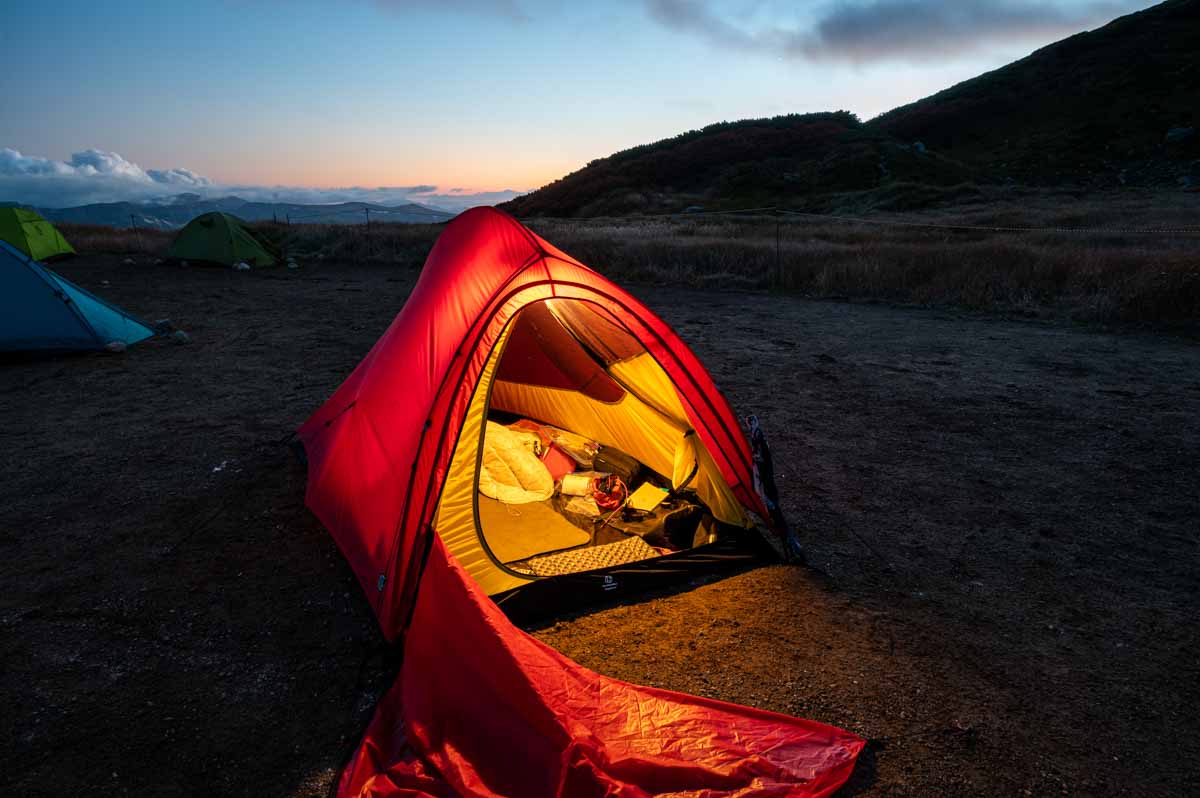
x,y
94,238
1105,277
394,243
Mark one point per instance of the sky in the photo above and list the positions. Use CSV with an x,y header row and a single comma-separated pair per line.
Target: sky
x,y
451,102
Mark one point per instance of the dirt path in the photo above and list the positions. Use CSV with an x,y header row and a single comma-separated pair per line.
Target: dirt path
x,y
1001,516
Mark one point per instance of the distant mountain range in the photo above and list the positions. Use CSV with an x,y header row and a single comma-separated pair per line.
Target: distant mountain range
x,y
1114,107
179,210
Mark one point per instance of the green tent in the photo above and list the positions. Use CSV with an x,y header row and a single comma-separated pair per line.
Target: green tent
x,y
29,232
219,238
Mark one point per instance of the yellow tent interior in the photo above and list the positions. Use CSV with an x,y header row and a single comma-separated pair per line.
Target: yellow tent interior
x,y
569,364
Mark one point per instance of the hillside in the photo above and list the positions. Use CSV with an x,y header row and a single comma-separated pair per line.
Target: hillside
x,y
179,210
1092,110
742,163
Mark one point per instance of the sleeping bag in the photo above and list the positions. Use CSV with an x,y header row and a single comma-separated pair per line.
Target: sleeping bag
x,y
510,472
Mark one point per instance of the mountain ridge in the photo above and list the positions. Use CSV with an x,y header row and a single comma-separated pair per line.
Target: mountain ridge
x,y
173,212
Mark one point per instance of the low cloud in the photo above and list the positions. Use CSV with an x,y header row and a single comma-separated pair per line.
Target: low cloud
x,y
383,195
89,176
863,31
461,200
98,176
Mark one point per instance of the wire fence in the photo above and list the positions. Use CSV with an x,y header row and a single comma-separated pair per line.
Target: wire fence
x,y
1136,271
776,212
389,215
382,214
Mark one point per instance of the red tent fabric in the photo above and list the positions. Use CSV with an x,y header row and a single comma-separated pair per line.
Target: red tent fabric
x,y
480,708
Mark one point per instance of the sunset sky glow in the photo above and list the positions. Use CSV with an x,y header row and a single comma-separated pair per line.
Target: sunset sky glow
x,y
459,94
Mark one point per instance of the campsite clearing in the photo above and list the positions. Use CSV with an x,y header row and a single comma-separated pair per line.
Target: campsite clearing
x,y
1000,515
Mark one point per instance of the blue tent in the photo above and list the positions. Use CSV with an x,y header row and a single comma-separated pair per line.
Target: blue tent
x,y
40,310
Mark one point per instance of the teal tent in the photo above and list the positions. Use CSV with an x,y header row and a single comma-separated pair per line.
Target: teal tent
x,y
43,311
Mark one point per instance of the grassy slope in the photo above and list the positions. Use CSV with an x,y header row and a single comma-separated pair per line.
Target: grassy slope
x,y
1082,109
736,164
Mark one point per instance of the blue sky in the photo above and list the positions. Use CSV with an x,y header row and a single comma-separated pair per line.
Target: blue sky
x,y
420,97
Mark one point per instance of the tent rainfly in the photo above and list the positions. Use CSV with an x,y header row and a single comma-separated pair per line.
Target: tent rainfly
x,y
43,311
508,347
219,238
30,233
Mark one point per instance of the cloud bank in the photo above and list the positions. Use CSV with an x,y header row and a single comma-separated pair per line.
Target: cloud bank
x,y
97,176
864,31
89,176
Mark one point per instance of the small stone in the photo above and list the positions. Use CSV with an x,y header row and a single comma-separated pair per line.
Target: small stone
x,y
1179,135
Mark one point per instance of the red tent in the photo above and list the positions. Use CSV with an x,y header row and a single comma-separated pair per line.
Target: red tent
x,y
481,708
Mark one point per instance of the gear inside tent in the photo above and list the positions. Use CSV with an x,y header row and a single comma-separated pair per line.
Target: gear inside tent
x,y
219,238
31,234
527,434
625,479
559,438
41,310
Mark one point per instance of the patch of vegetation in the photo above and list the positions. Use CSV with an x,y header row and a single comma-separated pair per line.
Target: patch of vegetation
x,y
1092,277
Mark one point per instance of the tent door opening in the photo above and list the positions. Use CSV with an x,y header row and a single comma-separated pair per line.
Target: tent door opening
x,y
577,455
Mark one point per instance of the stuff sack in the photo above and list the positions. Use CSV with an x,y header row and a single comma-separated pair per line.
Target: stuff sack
x,y
614,461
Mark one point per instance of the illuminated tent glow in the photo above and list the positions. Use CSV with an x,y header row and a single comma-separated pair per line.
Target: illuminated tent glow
x,y
500,319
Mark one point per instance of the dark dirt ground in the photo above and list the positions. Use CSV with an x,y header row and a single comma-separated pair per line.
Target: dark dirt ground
x,y
1001,518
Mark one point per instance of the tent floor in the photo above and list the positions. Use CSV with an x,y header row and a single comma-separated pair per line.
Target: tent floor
x,y
519,531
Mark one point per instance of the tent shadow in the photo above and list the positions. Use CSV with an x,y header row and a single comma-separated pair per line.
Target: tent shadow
x,y
541,622
865,773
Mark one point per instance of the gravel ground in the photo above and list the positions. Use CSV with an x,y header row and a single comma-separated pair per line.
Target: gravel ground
x,y
1001,519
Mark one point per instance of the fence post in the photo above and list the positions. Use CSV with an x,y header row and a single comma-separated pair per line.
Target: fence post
x,y
370,247
778,258
136,232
